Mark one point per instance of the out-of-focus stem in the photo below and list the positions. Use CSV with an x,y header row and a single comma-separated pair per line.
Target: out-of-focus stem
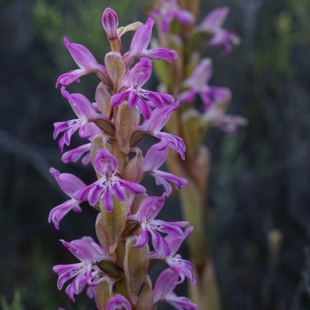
x,y
206,294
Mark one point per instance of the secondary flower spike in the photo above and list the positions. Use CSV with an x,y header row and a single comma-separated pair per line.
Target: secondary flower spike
x,y
197,84
170,10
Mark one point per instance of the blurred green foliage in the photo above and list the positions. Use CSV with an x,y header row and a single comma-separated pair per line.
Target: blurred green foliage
x,y
16,303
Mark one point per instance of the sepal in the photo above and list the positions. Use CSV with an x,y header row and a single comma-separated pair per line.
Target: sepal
x,y
136,266
115,68
103,293
127,120
103,98
145,299
134,168
114,223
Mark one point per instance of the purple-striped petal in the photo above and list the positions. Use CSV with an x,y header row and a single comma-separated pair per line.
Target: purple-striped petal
x,y
119,98
119,191
75,154
108,200
134,188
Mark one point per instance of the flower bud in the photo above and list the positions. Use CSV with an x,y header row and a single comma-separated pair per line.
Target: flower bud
x,y
110,24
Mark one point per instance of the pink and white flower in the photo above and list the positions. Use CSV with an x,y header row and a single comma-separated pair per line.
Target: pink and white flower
x,y
109,183
82,272
145,216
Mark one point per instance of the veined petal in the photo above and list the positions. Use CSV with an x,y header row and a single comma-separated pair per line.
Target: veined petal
x,y
66,272
159,118
159,243
155,156
177,181
110,23
180,303
108,200
81,106
134,188
167,228
140,40
69,183
140,73
105,163
95,193
119,191
82,56
162,53
75,154
150,207
175,243
58,213
82,194
84,251
119,98
174,142
71,76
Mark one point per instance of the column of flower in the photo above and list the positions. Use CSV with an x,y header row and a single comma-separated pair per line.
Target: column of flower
x,y
115,270
188,78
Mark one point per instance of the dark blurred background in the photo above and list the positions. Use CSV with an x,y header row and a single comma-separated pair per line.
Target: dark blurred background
x,y
260,178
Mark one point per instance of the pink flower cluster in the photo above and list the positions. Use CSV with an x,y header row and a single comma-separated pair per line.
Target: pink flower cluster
x,y
122,115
